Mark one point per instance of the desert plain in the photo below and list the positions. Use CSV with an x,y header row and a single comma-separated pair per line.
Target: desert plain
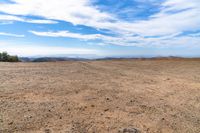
x,y
152,96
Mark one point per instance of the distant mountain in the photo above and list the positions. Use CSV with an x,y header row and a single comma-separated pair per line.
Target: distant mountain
x,y
54,59
49,59
25,59
73,56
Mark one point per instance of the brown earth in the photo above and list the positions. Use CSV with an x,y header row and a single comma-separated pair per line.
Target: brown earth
x,y
153,96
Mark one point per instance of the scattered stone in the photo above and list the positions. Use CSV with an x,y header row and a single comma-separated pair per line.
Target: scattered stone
x,y
10,123
128,130
106,110
92,106
47,131
108,117
168,79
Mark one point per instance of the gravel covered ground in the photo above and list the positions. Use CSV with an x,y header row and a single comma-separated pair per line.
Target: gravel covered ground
x,y
152,96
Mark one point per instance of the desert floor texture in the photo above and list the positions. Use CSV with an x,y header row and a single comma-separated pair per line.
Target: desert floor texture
x,y
152,96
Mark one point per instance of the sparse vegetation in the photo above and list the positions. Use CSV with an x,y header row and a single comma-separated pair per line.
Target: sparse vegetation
x,y
5,57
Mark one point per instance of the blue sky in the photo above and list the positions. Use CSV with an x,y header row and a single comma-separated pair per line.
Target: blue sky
x,y
100,27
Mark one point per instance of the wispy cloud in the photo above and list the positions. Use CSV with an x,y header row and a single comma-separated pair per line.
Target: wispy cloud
x,y
10,34
176,39
6,22
175,17
11,18
74,11
74,35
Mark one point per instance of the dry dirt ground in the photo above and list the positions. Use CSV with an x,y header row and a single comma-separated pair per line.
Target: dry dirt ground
x,y
153,96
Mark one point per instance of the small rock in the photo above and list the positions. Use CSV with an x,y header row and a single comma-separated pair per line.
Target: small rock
x,y
128,130
10,123
108,117
47,131
168,79
92,106
106,110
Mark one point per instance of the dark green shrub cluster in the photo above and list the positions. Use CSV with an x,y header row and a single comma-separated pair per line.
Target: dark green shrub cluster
x,y
5,57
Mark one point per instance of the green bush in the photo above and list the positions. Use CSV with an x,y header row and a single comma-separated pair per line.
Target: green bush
x,y
5,57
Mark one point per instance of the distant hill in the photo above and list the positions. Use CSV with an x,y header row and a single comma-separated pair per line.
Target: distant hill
x,y
55,59
49,59
25,59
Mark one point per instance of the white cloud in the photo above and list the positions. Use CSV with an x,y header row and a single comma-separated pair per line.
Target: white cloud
x,y
175,16
169,40
74,11
10,34
11,18
67,34
6,22
40,21
74,35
